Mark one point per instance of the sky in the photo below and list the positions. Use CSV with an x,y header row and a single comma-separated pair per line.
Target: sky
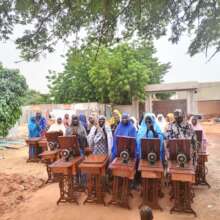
x,y
183,67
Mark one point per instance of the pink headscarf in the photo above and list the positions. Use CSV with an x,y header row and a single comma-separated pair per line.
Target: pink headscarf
x,y
198,127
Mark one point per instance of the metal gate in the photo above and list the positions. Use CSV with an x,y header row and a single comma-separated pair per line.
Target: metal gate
x,y
166,106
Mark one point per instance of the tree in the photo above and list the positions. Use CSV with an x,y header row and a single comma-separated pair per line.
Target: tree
x,y
115,75
109,20
12,88
33,97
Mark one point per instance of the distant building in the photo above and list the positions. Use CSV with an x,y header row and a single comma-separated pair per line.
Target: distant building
x,y
191,97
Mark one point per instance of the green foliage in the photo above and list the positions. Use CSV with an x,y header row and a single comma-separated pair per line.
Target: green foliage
x,y
164,95
33,97
114,75
106,20
12,89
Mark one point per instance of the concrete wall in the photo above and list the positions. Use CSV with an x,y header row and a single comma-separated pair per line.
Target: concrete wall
x,y
208,91
87,108
205,92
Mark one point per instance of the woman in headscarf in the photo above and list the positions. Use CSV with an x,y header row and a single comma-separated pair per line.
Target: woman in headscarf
x,y
161,122
125,128
100,137
83,120
150,129
169,120
134,122
115,120
196,126
92,122
76,128
58,126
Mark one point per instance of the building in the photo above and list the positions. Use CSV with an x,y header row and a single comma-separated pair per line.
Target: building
x,y
191,97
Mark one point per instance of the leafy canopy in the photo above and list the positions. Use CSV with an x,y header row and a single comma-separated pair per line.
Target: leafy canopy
x,y
47,21
118,74
12,90
33,97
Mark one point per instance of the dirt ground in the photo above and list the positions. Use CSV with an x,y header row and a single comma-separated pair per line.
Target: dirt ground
x,y
41,204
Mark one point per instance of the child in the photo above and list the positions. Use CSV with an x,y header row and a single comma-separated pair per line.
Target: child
x,y
146,213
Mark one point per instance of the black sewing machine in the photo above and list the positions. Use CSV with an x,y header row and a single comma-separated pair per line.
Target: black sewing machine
x,y
126,148
150,150
180,151
69,147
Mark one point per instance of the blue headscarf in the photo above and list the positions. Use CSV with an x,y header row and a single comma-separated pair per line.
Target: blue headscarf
x,y
83,121
34,129
145,133
123,130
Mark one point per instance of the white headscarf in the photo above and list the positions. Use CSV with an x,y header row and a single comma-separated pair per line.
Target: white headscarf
x,y
162,123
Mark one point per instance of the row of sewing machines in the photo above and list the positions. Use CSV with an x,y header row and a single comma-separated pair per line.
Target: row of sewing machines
x,y
95,174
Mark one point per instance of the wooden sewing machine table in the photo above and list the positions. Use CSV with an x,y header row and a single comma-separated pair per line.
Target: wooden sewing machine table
x,y
49,157
182,179
201,169
94,167
122,173
66,170
151,182
34,143
43,144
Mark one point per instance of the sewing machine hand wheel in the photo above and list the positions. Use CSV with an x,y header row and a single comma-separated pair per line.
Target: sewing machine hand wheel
x,y
124,155
152,157
181,159
65,154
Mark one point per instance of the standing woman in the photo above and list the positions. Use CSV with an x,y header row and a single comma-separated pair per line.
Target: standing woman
x,y
150,129
161,122
100,137
76,128
83,121
125,128
196,126
115,120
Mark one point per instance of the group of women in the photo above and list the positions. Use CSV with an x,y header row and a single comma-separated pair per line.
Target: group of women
x,y
101,135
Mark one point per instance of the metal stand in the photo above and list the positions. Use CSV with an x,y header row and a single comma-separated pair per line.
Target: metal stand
x,y
94,187
151,192
121,192
182,197
67,192
201,171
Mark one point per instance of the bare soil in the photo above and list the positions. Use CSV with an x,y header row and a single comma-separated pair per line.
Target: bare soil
x,y
23,195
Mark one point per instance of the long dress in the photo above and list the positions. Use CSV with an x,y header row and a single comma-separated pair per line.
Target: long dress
x,y
80,131
100,140
35,130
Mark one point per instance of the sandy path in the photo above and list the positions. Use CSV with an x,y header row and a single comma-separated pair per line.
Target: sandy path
x,y
42,204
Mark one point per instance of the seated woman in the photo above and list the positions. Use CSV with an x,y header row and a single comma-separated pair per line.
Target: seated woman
x,y
196,126
100,137
150,129
125,128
